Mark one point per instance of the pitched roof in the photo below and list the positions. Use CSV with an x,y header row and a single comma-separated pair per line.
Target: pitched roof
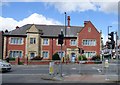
x,y
48,30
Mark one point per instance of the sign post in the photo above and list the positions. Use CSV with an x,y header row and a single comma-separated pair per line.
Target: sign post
x,y
51,68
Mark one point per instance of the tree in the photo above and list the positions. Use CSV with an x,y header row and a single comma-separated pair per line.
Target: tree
x,y
55,57
82,57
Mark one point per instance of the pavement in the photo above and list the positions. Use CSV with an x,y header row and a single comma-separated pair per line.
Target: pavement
x,y
83,78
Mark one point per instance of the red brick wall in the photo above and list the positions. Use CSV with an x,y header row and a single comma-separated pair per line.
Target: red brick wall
x,y
53,48
94,34
17,47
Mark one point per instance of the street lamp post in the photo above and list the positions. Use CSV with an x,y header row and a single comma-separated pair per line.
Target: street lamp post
x,y
65,36
108,28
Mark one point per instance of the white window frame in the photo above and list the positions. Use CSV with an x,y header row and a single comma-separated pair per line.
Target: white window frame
x,y
90,54
43,41
71,42
59,53
89,42
45,56
31,56
14,41
17,55
33,40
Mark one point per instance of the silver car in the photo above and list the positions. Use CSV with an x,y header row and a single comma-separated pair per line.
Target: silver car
x,y
4,66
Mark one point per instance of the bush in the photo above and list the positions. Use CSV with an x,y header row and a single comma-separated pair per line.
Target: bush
x,y
96,58
55,57
82,57
12,59
37,58
20,63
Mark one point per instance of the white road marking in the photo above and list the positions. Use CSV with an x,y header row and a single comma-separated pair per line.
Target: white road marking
x,y
21,74
99,70
73,68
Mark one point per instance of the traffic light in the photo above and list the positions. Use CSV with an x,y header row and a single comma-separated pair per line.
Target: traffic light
x,y
111,43
60,38
80,50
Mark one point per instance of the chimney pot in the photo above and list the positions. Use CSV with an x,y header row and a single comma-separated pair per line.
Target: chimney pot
x,y
17,27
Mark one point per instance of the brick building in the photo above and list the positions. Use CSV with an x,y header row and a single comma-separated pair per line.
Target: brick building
x,y
42,40
1,44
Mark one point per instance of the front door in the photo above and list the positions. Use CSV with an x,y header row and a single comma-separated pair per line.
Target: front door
x,y
73,56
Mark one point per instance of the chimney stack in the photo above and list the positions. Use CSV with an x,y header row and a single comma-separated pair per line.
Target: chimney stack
x,y
68,21
17,27
85,22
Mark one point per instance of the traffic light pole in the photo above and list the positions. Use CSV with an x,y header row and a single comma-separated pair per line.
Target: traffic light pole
x,y
61,63
117,54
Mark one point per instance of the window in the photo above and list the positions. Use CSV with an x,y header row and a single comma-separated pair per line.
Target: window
x,y
16,40
89,54
59,53
16,54
73,42
32,40
32,55
89,42
45,54
45,41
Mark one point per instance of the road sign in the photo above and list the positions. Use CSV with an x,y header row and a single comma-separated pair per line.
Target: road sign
x,y
51,68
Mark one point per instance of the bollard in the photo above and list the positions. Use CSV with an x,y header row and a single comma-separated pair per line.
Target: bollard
x,y
106,69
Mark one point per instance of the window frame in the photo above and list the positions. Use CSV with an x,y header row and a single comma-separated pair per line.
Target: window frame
x,y
71,42
32,40
14,51
16,40
45,41
89,42
45,54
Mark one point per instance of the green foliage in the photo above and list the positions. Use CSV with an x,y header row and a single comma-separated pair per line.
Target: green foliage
x,y
55,57
82,57
20,63
12,59
96,58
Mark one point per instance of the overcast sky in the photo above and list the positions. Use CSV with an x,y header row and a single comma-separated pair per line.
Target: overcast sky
x,y
101,14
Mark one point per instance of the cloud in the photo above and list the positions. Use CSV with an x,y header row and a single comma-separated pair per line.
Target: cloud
x,y
10,23
106,7
72,6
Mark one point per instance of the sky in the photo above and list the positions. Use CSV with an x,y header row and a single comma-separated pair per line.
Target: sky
x,y
101,14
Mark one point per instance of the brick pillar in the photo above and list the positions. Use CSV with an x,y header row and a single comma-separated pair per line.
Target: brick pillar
x,y
26,61
17,60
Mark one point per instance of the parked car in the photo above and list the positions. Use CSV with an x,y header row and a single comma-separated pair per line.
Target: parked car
x,y
4,66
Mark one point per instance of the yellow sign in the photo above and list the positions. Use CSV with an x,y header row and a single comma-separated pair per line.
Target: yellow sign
x,y
51,69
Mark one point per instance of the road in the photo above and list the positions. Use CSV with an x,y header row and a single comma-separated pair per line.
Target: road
x,y
33,73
